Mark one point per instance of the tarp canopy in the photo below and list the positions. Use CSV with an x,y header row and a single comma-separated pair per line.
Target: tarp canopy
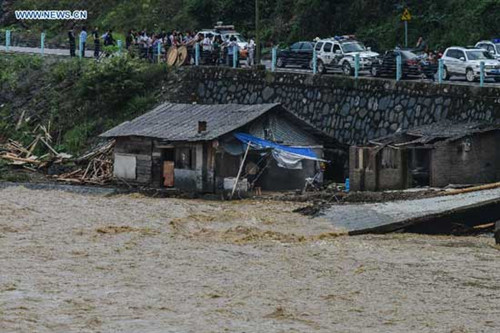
x,y
298,153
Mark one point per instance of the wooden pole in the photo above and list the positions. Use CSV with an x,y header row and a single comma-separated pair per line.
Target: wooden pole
x,y
257,34
239,171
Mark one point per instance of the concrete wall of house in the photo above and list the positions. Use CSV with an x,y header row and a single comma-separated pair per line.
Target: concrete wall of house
x,y
191,179
363,171
471,160
369,171
352,111
393,178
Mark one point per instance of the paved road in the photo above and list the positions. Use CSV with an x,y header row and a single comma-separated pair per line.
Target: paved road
x,y
459,80
36,50
64,52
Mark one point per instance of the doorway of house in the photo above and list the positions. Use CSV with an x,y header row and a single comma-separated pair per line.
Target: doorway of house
x,y
419,162
168,165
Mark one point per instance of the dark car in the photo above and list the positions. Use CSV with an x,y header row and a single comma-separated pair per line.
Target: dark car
x,y
297,54
386,66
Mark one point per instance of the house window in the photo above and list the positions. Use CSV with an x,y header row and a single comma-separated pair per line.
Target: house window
x,y
389,158
185,158
125,166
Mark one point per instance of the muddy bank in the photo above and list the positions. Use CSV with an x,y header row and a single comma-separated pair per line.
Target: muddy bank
x,y
128,263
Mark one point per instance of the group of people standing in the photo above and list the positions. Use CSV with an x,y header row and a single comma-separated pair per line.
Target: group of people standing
x,y
107,40
214,50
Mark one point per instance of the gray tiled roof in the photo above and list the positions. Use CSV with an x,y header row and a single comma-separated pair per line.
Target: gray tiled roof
x,y
445,130
179,122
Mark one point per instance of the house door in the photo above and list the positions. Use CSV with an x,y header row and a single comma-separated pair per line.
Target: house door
x,y
168,166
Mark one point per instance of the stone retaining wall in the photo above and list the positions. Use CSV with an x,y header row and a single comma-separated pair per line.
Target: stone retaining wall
x,y
353,111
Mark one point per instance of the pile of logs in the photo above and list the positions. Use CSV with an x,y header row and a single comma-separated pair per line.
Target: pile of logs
x,y
97,167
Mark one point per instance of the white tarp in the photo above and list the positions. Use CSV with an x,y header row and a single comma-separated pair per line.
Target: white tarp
x,y
287,160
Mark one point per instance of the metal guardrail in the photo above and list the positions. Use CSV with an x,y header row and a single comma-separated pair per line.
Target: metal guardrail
x,y
10,39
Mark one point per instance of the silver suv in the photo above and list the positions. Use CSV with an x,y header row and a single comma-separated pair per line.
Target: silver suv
x,y
340,52
464,61
492,47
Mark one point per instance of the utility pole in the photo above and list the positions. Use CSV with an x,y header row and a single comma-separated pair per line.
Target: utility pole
x,y
257,34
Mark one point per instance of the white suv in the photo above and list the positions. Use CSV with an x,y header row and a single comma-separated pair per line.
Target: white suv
x,y
340,52
492,47
464,61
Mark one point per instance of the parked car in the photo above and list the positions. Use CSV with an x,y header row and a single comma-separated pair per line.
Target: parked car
x,y
464,61
386,65
339,52
492,46
297,54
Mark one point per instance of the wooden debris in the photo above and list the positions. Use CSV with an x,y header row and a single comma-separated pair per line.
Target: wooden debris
x,y
94,167
98,167
473,189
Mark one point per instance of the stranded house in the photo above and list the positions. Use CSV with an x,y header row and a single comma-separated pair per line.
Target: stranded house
x,y
203,148
431,155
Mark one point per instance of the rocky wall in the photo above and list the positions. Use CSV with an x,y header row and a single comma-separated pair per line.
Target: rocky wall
x,y
352,111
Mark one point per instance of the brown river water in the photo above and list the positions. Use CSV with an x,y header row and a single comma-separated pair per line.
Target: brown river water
x,y
128,263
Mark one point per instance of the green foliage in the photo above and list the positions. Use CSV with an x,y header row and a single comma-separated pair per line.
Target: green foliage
x,y
80,99
443,22
76,138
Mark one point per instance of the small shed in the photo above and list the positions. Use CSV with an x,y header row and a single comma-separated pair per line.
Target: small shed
x,y
434,155
195,147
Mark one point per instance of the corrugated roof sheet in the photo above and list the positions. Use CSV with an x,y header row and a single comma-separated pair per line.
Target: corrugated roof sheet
x,y
179,122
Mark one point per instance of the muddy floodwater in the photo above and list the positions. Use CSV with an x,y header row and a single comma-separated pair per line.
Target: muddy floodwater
x,y
128,263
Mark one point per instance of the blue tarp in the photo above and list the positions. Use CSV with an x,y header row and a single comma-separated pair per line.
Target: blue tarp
x,y
257,143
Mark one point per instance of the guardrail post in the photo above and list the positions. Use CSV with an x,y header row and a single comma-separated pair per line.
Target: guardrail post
x,y
80,49
42,43
440,70
159,51
197,54
7,40
398,67
315,61
119,43
235,56
481,74
356,65
273,59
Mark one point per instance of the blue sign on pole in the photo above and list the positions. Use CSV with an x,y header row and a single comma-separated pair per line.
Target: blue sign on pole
x,y
197,54
273,60
119,42
481,74
356,65
235,56
314,61
7,40
440,71
398,67
42,43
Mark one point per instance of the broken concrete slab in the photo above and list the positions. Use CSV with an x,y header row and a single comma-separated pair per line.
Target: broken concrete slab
x,y
396,215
